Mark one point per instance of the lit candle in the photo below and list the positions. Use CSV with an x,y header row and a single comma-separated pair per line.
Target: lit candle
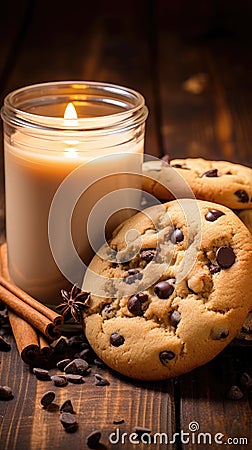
x,y
42,150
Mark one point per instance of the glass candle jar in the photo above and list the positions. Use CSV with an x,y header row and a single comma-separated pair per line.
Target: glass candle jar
x,y
68,147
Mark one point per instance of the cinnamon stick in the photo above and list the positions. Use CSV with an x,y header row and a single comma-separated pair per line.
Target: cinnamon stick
x,y
26,306
45,350
35,318
25,336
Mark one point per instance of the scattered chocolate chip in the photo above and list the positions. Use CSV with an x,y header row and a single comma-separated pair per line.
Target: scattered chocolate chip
x,y
87,355
166,159
75,379
76,341
148,254
116,339
166,356
210,173
176,236
234,393
6,393
242,196
140,431
213,214
4,318
118,421
5,330
85,346
175,318
99,363
3,313
225,257
136,303
93,439
219,334
214,268
61,345
67,407
47,398
69,422
101,381
245,379
133,276
77,366
62,364
41,374
163,289
4,346
59,380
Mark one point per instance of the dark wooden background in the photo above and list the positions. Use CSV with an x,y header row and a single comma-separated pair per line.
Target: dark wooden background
x,y
154,47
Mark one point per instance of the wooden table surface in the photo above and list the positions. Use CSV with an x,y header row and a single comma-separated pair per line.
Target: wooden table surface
x,y
154,47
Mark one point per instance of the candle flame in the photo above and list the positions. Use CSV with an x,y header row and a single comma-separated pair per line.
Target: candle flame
x,y
70,119
70,112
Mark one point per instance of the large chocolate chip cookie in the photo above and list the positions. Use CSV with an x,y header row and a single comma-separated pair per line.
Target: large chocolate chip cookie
x,y
171,290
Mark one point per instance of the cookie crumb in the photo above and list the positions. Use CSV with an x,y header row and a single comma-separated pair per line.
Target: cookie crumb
x,y
234,393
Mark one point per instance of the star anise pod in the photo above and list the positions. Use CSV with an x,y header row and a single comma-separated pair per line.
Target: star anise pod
x,y
73,303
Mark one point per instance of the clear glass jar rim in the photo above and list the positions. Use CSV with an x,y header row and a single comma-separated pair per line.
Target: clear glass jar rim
x,y
135,114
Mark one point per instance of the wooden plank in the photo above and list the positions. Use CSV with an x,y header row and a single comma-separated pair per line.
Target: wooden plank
x,y
214,123
17,414
204,402
122,45
25,424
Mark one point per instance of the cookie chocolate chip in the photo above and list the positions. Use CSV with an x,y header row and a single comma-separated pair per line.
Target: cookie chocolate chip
x,y
219,334
133,276
213,214
175,318
166,356
210,173
164,289
116,339
136,304
177,236
225,257
148,254
242,196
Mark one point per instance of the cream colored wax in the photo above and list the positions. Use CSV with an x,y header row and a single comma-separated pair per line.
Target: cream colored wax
x,y
34,171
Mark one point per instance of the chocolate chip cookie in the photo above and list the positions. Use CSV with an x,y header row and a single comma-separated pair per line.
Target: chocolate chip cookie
x,y
217,181
171,290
